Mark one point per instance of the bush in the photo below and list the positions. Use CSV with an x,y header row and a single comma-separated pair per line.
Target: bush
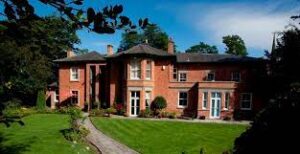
x,y
75,134
202,117
19,112
97,113
172,115
227,118
120,108
13,103
110,111
158,104
145,113
41,100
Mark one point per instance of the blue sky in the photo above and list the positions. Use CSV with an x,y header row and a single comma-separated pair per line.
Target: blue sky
x,y
191,21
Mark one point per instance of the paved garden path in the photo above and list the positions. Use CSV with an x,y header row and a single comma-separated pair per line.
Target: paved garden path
x,y
104,143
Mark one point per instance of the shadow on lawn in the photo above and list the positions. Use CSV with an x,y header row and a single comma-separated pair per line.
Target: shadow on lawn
x,y
14,148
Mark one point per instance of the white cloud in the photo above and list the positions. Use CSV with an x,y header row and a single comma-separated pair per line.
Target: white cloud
x,y
255,23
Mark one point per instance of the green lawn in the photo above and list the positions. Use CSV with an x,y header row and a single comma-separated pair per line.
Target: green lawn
x,y
40,135
168,137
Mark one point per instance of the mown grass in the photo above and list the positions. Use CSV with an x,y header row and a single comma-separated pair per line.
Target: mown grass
x,y
170,137
40,135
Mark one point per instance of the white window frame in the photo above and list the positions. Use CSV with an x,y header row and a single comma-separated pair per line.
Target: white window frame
x,y
187,99
150,93
232,76
56,93
174,73
149,70
78,98
227,101
73,73
135,66
213,78
179,76
250,101
203,99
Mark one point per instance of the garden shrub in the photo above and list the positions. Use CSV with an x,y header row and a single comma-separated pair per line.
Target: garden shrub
x,y
76,131
145,113
227,118
158,104
202,117
13,103
41,100
97,113
172,115
120,108
110,111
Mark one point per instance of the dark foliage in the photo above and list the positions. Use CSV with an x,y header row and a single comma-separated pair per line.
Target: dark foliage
x,y
152,33
203,48
106,20
275,129
159,103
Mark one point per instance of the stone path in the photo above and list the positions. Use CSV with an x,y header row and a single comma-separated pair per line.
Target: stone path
x,y
104,143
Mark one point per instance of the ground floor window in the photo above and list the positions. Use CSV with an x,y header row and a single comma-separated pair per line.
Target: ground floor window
x,y
204,102
147,99
183,99
227,100
246,101
74,97
56,96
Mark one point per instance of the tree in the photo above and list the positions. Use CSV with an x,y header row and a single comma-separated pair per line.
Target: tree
x,y
235,45
152,33
202,48
106,20
274,129
27,64
41,100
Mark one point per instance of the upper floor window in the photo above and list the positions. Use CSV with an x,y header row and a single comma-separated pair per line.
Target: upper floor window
x,y
182,99
74,75
210,76
236,76
174,73
135,69
246,101
227,100
148,70
204,102
182,76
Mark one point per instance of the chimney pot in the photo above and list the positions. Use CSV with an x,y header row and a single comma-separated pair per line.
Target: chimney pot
x,y
110,50
70,53
170,46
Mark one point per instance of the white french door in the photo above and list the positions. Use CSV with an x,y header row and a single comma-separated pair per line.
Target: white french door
x,y
215,104
134,103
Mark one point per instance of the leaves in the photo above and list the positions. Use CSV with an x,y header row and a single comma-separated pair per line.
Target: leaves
x,y
8,10
90,15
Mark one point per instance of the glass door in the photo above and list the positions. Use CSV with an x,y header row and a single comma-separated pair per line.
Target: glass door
x,y
215,105
134,103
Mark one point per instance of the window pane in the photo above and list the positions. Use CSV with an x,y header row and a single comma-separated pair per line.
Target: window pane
x,y
174,73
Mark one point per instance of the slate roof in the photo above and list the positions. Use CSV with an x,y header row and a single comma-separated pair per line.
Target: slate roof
x,y
90,57
142,49
212,58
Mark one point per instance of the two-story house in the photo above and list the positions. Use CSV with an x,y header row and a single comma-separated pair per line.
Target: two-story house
x,y
210,85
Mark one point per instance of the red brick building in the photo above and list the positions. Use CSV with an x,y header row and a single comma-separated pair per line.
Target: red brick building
x,y
210,85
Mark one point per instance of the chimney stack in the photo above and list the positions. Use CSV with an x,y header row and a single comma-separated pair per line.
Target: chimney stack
x,y
170,46
110,50
70,53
